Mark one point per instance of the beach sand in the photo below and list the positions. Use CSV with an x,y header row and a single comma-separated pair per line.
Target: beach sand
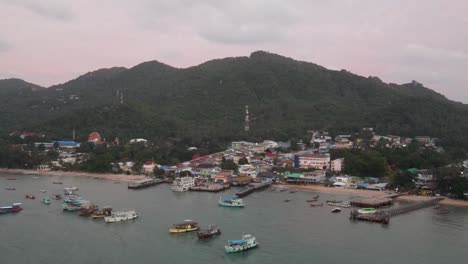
x,y
105,176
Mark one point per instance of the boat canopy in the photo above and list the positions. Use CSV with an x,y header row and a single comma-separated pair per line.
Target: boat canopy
x,y
237,242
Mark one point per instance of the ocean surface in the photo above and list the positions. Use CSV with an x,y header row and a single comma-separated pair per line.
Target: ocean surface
x,y
287,232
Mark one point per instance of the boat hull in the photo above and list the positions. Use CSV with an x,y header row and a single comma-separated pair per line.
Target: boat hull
x,y
204,235
185,230
230,249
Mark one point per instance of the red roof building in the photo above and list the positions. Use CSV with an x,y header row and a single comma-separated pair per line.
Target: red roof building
x,y
95,138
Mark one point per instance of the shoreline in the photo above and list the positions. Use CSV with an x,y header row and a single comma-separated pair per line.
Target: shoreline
x,y
376,194
104,176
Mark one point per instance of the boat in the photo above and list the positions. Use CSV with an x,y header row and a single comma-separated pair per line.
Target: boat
x,y
247,242
186,226
343,205
336,210
443,211
316,196
212,231
71,207
106,211
56,196
315,205
293,191
231,202
334,201
57,182
88,210
437,206
116,182
119,216
10,189
45,200
74,188
76,200
43,191
312,200
183,184
30,196
13,208
368,210
287,200
69,191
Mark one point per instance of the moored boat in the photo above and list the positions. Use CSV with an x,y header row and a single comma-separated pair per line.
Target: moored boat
x,y
13,208
247,242
45,200
57,182
71,207
368,210
315,205
287,200
311,200
106,211
56,196
336,210
119,216
88,210
30,196
186,226
231,202
212,231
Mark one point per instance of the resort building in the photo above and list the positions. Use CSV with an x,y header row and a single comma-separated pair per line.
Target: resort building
x,y
317,161
337,165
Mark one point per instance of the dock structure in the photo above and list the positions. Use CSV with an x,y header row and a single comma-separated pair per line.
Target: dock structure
x,y
209,188
144,183
372,202
252,188
383,216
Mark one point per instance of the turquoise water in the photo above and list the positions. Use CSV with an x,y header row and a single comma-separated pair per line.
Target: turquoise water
x,y
287,232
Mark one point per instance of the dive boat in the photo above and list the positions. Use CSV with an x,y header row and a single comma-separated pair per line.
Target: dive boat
x,y
45,200
336,210
30,196
368,210
106,211
247,242
212,231
183,184
186,226
231,202
56,196
119,216
14,208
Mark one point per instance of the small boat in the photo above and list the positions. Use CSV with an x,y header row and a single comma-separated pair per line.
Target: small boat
x,y
316,196
312,200
334,201
11,179
336,210
247,242
10,189
30,196
287,200
283,190
88,210
437,206
119,216
368,210
56,196
14,208
71,207
35,177
212,231
443,211
57,182
293,191
343,205
45,200
43,191
69,191
231,202
186,226
315,205
106,211
74,188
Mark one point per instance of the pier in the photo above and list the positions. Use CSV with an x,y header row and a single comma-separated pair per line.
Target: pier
x,y
383,216
372,202
252,188
209,188
144,183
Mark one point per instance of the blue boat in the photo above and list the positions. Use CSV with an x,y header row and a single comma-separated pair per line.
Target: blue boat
x,y
231,202
14,208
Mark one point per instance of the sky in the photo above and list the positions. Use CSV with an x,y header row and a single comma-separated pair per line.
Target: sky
x,y
52,41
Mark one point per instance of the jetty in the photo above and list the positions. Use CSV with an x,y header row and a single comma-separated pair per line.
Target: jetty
x,y
144,183
252,188
383,216
209,188
372,202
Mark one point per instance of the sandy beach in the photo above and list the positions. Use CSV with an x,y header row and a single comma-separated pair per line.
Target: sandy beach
x,y
365,193
105,176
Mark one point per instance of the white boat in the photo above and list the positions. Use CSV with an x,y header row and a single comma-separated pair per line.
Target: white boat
x,y
183,184
231,202
247,242
119,216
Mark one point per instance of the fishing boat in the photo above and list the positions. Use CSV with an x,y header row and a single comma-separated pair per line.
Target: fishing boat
x,y
10,189
56,196
336,210
212,231
231,202
88,210
247,242
368,210
70,207
57,182
119,216
315,205
186,226
13,208
45,200
106,211
30,196
183,184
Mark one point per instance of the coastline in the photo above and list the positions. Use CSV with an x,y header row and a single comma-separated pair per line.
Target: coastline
x,y
377,194
104,176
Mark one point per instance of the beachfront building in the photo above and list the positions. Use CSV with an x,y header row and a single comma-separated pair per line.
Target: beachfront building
x,y
341,181
317,161
248,170
337,165
148,167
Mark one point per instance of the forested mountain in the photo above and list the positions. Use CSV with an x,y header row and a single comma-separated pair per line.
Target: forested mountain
x,y
285,97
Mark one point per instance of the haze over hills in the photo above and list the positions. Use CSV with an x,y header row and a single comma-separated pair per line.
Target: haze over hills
x,y
285,97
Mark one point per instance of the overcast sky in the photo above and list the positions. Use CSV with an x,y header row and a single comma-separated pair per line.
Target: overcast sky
x,y
51,41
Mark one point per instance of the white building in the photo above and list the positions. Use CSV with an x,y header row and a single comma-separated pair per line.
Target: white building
x,y
337,165
317,161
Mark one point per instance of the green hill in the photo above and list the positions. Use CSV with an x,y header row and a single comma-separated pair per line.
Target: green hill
x,y
285,97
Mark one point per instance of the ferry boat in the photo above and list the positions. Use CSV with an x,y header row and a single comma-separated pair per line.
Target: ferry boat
x,y
186,226
231,202
14,208
212,231
106,211
121,216
30,196
45,200
183,184
369,210
247,242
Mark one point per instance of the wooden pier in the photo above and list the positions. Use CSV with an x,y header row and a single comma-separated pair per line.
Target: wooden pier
x,y
209,188
252,188
383,216
144,183
372,202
